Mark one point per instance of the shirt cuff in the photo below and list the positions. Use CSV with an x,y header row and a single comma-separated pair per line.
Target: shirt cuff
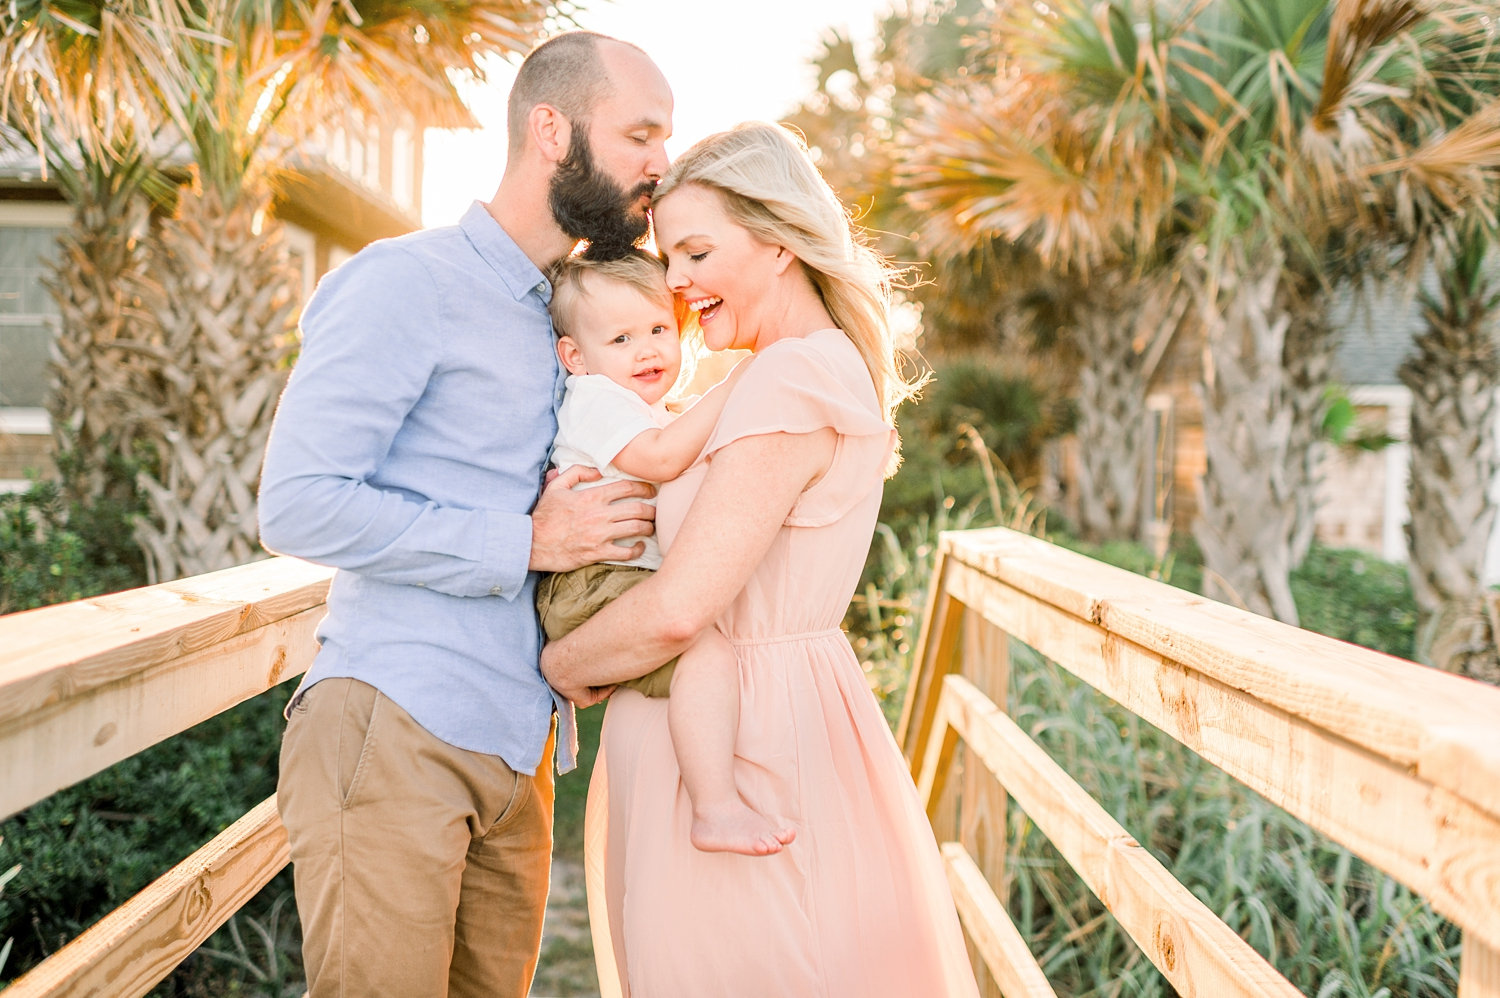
x,y
507,552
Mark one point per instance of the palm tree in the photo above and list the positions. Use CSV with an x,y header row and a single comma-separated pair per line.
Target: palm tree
x,y
1454,377
90,88
1034,157
266,77
1428,199
1219,142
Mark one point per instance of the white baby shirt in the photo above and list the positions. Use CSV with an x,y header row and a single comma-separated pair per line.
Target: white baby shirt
x,y
597,419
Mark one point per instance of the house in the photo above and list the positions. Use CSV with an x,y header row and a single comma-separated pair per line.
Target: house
x,y
342,191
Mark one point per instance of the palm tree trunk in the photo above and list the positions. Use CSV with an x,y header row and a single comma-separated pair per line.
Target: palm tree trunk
x,y
1111,405
98,377
1246,505
1308,361
1454,376
225,320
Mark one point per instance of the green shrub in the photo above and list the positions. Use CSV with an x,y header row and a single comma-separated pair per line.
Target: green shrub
x,y
88,848
53,550
1356,597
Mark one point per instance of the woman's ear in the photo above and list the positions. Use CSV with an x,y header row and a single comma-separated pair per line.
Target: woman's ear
x,y
784,259
551,131
570,355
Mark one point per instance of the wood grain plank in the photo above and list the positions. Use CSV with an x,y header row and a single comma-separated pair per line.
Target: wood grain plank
x,y
1195,951
1479,970
94,727
127,952
1439,723
1434,841
989,926
55,653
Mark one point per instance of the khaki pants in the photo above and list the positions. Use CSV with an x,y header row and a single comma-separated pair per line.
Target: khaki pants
x,y
420,868
564,600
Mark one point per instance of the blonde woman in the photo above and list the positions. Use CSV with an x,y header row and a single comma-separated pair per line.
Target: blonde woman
x,y
764,538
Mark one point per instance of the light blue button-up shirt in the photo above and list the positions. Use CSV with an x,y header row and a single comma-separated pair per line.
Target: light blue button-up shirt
x,y
408,450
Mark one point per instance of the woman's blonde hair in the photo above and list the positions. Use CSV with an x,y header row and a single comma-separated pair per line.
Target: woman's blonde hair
x,y
770,186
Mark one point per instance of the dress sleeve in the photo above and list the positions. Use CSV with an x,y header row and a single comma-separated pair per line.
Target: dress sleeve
x,y
802,386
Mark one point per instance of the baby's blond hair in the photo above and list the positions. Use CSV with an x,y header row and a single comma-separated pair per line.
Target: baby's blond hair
x,y
637,269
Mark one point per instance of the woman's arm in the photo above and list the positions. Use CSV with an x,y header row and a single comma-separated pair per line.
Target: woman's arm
x,y
751,486
660,455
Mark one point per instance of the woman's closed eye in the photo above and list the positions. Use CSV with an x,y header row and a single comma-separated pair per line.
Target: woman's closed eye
x,y
698,257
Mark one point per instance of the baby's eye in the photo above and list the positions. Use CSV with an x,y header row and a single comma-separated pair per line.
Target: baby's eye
x,y
658,330
622,338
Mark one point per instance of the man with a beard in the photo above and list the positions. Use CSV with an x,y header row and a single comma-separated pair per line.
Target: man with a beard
x,y
408,452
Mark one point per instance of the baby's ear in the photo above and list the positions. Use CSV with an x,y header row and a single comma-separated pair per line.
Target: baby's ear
x,y
570,355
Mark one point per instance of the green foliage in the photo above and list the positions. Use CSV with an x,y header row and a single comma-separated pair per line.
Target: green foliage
x,y
85,850
941,463
1356,597
573,788
1341,425
53,549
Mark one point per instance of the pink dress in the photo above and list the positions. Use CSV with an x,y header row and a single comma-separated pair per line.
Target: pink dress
x,y
858,904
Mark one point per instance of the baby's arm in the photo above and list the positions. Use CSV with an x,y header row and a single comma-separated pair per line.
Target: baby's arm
x,y
661,454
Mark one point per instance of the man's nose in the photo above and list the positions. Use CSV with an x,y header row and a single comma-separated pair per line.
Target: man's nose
x,y
657,167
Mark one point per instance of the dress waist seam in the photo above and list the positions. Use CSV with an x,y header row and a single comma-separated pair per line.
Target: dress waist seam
x,y
827,632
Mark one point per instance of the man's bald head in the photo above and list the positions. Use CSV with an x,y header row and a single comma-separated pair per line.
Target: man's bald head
x,y
567,72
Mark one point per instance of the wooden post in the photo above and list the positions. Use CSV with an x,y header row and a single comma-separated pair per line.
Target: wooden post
x,y
1479,969
981,826
934,660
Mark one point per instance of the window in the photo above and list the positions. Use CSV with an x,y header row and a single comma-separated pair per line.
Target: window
x,y
28,315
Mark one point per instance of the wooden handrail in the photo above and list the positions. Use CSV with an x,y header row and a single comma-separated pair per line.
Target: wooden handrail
x,y
1398,763
86,684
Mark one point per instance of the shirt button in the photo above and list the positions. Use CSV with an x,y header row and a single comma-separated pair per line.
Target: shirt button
x,y
541,289
496,591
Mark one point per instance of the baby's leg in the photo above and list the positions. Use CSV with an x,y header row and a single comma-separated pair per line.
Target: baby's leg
x,y
703,713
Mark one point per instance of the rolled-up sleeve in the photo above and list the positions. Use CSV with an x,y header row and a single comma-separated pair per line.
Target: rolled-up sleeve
x,y
371,346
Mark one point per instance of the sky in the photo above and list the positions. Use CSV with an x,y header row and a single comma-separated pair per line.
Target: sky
x,y
726,60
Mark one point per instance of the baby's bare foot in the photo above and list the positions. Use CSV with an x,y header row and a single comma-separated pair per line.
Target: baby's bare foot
x,y
733,827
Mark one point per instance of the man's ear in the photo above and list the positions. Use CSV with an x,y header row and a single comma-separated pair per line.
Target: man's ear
x,y
570,355
551,132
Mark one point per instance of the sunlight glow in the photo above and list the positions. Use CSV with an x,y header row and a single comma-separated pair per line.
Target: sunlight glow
x,y
267,96
763,75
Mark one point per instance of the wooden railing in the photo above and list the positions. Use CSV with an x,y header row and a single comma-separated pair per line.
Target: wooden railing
x,y
86,684
1398,763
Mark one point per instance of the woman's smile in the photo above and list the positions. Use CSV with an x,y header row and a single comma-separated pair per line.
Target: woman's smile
x,y
706,307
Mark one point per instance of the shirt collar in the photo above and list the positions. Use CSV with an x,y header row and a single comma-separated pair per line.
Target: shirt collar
x,y
500,251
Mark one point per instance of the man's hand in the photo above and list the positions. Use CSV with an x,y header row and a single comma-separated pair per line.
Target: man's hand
x,y
571,529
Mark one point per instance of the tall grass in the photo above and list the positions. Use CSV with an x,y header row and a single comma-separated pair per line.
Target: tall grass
x,y
1334,925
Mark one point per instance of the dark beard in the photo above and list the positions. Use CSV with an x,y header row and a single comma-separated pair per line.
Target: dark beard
x,y
586,204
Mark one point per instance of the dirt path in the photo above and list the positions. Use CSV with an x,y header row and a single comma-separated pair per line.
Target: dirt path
x,y
566,969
